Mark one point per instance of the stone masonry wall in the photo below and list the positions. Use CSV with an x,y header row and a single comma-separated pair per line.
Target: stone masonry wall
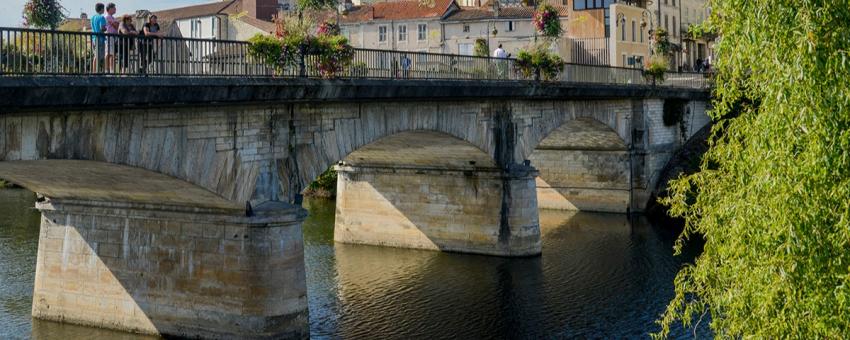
x,y
587,180
183,274
435,209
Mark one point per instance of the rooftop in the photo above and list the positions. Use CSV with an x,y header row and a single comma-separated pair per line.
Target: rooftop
x,y
400,10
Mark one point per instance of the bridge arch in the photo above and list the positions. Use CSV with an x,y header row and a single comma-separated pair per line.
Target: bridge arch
x,y
583,165
539,121
431,190
326,134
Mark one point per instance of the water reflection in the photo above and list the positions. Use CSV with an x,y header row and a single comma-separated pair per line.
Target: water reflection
x,y
600,276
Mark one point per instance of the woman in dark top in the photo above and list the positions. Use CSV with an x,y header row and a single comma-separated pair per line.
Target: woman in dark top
x,y
149,32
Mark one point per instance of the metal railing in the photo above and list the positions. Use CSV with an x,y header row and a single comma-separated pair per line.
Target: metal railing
x,y
31,52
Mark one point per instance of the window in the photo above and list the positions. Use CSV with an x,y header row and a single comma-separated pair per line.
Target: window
x,y
382,33
634,38
641,34
623,30
674,25
195,26
510,26
464,49
674,2
666,27
591,4
465,28
607,22
402,33
422,31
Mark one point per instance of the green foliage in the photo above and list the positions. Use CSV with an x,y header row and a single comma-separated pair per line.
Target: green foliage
x,y
702,31
324,185
539,61
482,49
43,13
316,4
772,199
661,41
655,69
328,53
40,52
265,49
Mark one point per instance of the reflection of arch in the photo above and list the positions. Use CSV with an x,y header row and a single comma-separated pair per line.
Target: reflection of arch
x,y
430,190
583,165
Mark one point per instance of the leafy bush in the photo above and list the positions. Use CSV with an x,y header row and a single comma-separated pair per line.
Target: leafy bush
x,y
661,41
547,22
265,49
539,61
481,48
655,69
324,185
772,199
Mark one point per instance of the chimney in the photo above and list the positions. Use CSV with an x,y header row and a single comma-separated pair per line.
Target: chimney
x,y
260,9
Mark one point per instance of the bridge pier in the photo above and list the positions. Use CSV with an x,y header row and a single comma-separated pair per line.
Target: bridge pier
x,y
480,211
172,270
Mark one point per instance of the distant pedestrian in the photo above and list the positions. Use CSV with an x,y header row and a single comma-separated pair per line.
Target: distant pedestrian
x,y
405,66
111,39
127,45
501,66
698,65
98,26
500,52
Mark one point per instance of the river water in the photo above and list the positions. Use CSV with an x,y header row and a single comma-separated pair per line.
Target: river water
x,y
600,276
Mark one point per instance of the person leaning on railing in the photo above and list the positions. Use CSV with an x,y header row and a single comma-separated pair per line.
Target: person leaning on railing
x,y
128,41
147,52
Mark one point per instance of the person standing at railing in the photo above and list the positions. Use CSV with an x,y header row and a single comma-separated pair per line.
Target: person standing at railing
x,y
128,41
98,25
405,66
149,32
112,39
501,65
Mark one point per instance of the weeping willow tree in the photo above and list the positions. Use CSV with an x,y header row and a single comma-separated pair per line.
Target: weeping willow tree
x,y
772,199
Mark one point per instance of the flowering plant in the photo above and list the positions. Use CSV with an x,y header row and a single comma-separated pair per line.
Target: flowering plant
x,y
326,52
328,28
547,22
43,13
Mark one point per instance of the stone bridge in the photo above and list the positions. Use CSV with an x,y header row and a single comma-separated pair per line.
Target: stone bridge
x,y
172,205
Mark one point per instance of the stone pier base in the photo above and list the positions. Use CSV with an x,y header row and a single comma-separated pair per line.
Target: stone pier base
x,y
480,211
170,270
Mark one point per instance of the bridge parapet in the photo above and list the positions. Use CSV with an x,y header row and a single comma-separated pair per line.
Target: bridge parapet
x,y
42,52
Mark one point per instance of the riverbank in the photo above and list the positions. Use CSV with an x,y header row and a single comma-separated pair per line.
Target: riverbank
x,y
7,185
323,187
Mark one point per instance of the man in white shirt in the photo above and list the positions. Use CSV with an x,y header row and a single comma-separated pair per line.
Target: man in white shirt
x,y
500,53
